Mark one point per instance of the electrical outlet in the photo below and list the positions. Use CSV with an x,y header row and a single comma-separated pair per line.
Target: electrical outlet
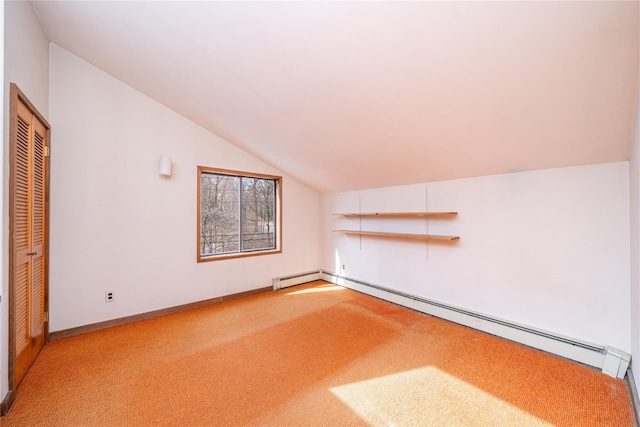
x,y
343,267
108,296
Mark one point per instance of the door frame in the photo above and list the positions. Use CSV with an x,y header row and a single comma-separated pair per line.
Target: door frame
x,y
15,95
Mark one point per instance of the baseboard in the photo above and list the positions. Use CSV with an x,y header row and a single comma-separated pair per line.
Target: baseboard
x,y
611,361
151,314
635,402
297,279
7,402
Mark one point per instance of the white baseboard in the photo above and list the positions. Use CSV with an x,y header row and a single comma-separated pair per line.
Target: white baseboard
x,y
631,383
611,361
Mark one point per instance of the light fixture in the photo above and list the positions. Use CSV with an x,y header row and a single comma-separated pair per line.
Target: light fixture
x,y
164,168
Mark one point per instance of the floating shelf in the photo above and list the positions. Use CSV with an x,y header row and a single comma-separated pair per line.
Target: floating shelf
x,y
398,235
397,214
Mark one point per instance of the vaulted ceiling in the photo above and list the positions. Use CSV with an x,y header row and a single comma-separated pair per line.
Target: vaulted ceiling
x,y
354,95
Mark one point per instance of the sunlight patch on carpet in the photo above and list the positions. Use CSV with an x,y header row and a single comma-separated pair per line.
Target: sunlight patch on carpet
x,y
430,396
323,288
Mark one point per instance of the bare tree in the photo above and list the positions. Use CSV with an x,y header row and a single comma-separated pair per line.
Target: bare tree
x,y
223,226
258,212
218,214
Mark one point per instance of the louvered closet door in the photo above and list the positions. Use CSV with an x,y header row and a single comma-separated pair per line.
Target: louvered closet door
x,y
28,238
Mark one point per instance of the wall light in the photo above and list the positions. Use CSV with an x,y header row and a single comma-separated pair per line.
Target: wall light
x,y
164,168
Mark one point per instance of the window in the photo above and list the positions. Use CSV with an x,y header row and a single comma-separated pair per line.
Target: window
x,y
238,214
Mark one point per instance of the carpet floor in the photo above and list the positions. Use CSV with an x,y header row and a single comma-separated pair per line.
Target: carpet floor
x,y
310,355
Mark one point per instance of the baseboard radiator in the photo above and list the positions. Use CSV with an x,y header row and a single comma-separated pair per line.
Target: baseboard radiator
x,y
611,361
298,279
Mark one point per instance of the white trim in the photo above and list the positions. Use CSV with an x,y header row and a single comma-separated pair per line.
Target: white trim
x,y
631,383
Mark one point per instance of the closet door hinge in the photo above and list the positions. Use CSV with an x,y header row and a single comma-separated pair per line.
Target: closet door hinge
x,y
46,317
46,151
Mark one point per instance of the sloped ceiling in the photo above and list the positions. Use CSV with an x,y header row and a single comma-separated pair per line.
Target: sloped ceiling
x,y
354,95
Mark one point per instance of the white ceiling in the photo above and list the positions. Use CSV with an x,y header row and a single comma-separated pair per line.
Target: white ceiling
x,y
354,95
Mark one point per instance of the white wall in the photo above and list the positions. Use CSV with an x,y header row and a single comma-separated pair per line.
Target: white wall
x,y
116,225
547,249
634,199
26,63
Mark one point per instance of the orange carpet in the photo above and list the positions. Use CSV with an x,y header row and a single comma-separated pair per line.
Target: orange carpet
x,y
310,355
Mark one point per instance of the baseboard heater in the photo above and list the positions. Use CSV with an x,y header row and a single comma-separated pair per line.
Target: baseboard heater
x,y
611,361
298,279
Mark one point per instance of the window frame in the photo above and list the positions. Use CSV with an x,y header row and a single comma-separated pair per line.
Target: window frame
x,y
278,215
